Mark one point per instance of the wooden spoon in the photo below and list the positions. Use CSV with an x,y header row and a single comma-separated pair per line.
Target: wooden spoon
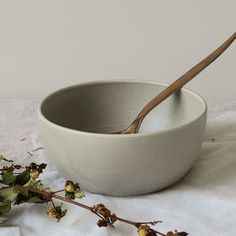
x,y
175,86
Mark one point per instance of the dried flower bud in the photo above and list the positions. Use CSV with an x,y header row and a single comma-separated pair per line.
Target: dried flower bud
x,y
35,169
37,184
34,174
170,233
102,210
143,230
79,193
56,212
108,218
69,186
102,223
72,190
69,195
52,212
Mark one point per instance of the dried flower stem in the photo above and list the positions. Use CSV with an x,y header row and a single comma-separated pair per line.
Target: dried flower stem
x,y
91,209
137,224
52,195
30,153
53,203
7,160
58,191
25,187
36,149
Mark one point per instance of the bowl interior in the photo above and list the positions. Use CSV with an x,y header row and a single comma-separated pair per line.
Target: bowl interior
x,y
105,107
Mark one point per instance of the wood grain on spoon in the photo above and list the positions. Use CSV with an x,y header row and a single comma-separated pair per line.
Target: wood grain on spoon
x,y
175,86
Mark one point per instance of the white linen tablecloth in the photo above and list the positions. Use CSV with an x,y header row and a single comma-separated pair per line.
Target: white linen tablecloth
x,y
203,203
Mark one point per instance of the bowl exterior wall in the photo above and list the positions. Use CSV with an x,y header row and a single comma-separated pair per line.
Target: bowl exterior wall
x,y
123,166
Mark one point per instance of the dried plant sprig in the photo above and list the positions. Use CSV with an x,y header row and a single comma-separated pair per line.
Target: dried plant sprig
x,y
25,187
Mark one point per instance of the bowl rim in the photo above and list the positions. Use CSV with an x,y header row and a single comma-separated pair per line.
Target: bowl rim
x,y
117,81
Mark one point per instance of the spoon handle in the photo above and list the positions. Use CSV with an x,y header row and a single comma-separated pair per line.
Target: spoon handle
x,y
190,74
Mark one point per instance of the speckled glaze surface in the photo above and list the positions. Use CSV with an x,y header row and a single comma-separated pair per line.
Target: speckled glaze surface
x,y
75,122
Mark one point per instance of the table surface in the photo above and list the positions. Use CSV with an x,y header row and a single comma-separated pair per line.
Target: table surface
x,y
203,203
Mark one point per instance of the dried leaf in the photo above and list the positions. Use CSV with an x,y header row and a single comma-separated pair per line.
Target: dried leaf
x,y
5,206
41,167
23,178
8,178
22,195
37,184
8,193
35,199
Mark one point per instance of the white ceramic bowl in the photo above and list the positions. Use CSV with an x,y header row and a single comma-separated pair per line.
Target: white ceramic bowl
x,y
75,123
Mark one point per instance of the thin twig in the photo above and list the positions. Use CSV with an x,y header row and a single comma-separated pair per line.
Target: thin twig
x,y
36,149
23,139
106,217
91,209
58,191
53,203
5,159
48,194
30,153
94,212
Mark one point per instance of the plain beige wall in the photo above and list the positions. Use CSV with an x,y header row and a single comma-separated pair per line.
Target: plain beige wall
x,y
48,44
